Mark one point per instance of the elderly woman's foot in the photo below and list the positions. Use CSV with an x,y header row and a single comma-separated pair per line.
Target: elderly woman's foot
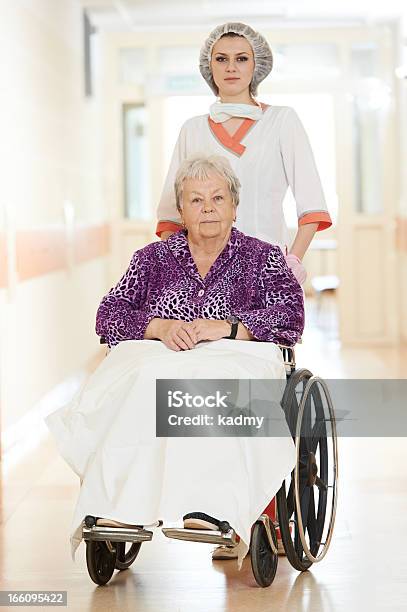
x,y
200,520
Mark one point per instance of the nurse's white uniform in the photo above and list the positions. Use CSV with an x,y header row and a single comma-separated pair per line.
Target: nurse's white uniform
x,y
268,156
107,436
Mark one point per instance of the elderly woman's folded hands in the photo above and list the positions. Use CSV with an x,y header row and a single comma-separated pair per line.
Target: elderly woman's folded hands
x,y
182,335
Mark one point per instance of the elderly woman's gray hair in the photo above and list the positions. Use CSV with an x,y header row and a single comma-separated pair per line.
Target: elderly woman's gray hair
x,y
201,168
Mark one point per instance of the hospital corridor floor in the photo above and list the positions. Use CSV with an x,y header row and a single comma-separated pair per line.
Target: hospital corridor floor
x,y
365,568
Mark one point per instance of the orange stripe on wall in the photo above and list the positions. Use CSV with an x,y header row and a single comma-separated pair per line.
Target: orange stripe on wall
x,y
42,251
39,252
91,242
401,234
3,262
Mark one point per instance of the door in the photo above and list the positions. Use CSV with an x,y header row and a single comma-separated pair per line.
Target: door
x,y
367,188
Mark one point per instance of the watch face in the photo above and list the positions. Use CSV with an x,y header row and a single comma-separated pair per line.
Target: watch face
x,y
233,319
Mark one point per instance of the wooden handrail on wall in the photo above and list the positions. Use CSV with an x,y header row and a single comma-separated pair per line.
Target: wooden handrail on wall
x,y
45,250
401,234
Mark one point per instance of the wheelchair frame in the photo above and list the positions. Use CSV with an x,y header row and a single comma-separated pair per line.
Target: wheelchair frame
x,y
106,546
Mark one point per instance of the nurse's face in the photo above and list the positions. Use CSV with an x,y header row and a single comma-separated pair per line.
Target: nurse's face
x,y
208,210
232,65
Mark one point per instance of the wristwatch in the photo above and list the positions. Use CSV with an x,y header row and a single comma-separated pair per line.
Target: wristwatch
x,y
234,323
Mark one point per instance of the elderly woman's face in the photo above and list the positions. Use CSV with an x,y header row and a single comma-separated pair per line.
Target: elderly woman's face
x,y
208,210
232,64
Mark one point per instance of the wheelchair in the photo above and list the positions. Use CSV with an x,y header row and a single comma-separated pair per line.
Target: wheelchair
x,y
306,501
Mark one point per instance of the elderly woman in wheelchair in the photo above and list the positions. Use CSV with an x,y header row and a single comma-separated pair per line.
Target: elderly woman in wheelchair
x,y
208,303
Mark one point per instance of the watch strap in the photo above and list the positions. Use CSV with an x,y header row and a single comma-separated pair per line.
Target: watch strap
x,y
233,331
234,324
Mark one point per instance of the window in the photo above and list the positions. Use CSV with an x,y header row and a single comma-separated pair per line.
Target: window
x,y
136,163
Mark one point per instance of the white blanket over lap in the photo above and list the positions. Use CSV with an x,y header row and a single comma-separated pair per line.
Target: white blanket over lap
x,y
107,436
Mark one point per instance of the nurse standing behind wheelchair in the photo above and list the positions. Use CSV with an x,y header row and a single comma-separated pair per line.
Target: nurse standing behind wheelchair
x,y
266,145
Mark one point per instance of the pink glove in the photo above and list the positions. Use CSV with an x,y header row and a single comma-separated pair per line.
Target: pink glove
x,y
296,267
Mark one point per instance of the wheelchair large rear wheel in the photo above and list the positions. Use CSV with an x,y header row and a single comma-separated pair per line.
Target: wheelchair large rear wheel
x,y
264,560
305,518
125,559
101,560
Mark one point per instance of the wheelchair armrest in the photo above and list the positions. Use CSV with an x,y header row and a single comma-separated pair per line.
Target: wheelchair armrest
x,y
288,356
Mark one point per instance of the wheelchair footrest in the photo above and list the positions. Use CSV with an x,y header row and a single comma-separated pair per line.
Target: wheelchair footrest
x,y
201,535
116,534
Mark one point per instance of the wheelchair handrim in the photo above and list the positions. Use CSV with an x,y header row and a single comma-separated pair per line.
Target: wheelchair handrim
x,y
307,551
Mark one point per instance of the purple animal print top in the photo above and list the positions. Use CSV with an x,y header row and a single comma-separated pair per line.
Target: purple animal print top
x,y
250,280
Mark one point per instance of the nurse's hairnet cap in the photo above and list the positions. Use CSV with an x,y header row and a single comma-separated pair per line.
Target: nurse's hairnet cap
x,y
263,57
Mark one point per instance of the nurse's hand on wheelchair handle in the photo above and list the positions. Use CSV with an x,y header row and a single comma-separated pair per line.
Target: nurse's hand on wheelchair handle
x,y
297,268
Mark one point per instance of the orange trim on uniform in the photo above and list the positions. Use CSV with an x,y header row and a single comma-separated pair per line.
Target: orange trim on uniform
x,y
322,218
167,226
233,141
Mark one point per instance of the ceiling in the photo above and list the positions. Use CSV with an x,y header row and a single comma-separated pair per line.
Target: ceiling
x,y
135,15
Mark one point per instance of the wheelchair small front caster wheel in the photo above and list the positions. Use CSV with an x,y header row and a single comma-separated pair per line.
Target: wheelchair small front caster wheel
x,y
100,560
264,560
